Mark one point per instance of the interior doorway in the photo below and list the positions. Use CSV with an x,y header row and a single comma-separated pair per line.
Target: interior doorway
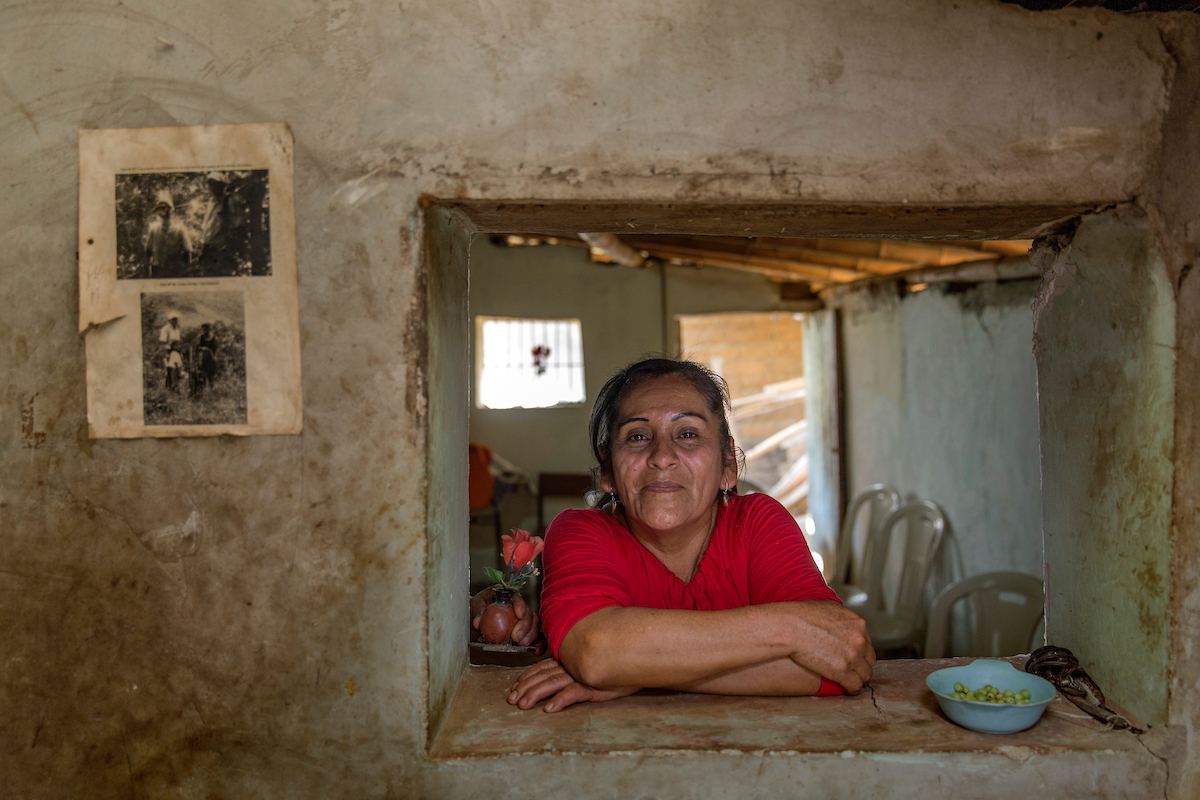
x,y
760,355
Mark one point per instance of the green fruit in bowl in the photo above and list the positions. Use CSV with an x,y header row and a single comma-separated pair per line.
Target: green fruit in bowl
x,y
989,708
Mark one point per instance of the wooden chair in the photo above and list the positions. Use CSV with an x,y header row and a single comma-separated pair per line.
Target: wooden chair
x,y
1008,608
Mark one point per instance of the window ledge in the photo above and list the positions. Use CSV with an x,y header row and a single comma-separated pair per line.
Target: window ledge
x,y
898,714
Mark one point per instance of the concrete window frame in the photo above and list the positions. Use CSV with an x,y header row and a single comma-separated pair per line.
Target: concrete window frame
x,y
447,229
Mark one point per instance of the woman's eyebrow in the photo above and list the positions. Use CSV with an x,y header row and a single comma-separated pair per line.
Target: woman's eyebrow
x,y
678,416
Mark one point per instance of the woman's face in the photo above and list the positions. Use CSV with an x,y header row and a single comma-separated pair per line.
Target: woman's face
x,y
666,456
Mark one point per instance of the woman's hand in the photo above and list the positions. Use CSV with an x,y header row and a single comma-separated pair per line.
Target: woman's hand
x,y
548,679
836,644
527,628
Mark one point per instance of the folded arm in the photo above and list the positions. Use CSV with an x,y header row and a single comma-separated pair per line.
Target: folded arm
x,y
773,649
780,677
651,647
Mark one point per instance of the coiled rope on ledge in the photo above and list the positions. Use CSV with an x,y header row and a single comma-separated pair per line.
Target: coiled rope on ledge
x,y
1060,666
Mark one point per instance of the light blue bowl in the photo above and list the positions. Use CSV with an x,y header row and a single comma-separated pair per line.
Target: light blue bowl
x,y
987,717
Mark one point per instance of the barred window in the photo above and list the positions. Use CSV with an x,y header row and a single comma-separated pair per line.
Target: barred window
x,y
528,363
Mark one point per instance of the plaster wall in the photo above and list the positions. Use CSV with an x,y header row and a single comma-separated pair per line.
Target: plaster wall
x,y
279,646
448,367
1107,382
624,316
941,403
1175,207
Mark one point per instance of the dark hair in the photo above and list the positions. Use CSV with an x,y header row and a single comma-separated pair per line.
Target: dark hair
x,y
608,403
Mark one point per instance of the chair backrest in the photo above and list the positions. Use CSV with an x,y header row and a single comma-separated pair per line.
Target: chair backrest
x,y
924,523
1008,609
878,501
560,484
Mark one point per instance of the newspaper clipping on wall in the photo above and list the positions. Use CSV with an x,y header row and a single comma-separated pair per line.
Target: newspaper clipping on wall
x,y
187,281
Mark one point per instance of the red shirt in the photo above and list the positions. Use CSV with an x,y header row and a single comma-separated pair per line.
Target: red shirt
x,y
756,555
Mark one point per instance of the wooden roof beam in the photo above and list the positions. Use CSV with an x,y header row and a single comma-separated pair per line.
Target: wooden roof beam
x,y
749,248
915,253
786,249
613,249
782,268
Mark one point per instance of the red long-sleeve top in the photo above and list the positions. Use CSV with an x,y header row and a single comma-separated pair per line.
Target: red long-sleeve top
x,y
756,555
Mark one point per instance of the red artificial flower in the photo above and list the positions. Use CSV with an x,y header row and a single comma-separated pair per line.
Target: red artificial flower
x,y
520,548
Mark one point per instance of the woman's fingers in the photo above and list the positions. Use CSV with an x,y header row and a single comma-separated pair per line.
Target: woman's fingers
x,y
524,618
835,645
528,625
534,673
575,693
548,679
535,630
478,603
850,681
538,683
524,684
526,631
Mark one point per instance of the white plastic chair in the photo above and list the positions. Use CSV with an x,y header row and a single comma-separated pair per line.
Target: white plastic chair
x,y
854,582
903,625
1009,607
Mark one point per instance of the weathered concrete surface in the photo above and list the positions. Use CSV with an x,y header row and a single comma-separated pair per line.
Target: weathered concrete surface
x,y
891,738
897,714
851,774
904,219
246,618
448,368
941,402
1105,345
1175,205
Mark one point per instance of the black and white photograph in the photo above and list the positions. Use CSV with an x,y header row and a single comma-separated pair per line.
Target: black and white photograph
x,y
193,358
187,237
209,224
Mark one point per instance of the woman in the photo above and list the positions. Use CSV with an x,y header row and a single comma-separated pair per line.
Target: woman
x,y
676,581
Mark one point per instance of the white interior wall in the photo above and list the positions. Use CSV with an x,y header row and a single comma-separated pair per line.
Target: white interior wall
x,y
621,312
941,403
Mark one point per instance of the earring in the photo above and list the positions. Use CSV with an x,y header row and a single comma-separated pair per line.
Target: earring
x,y
725,496
612,503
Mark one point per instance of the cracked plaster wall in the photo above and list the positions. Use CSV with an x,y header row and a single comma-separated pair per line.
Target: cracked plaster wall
x,y
941,402
1174,206
1105,347
225,618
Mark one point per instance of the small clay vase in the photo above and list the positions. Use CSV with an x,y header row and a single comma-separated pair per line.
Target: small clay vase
x,y
498,618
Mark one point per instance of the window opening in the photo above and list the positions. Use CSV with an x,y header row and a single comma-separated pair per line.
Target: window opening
x,y
949,279
529,363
